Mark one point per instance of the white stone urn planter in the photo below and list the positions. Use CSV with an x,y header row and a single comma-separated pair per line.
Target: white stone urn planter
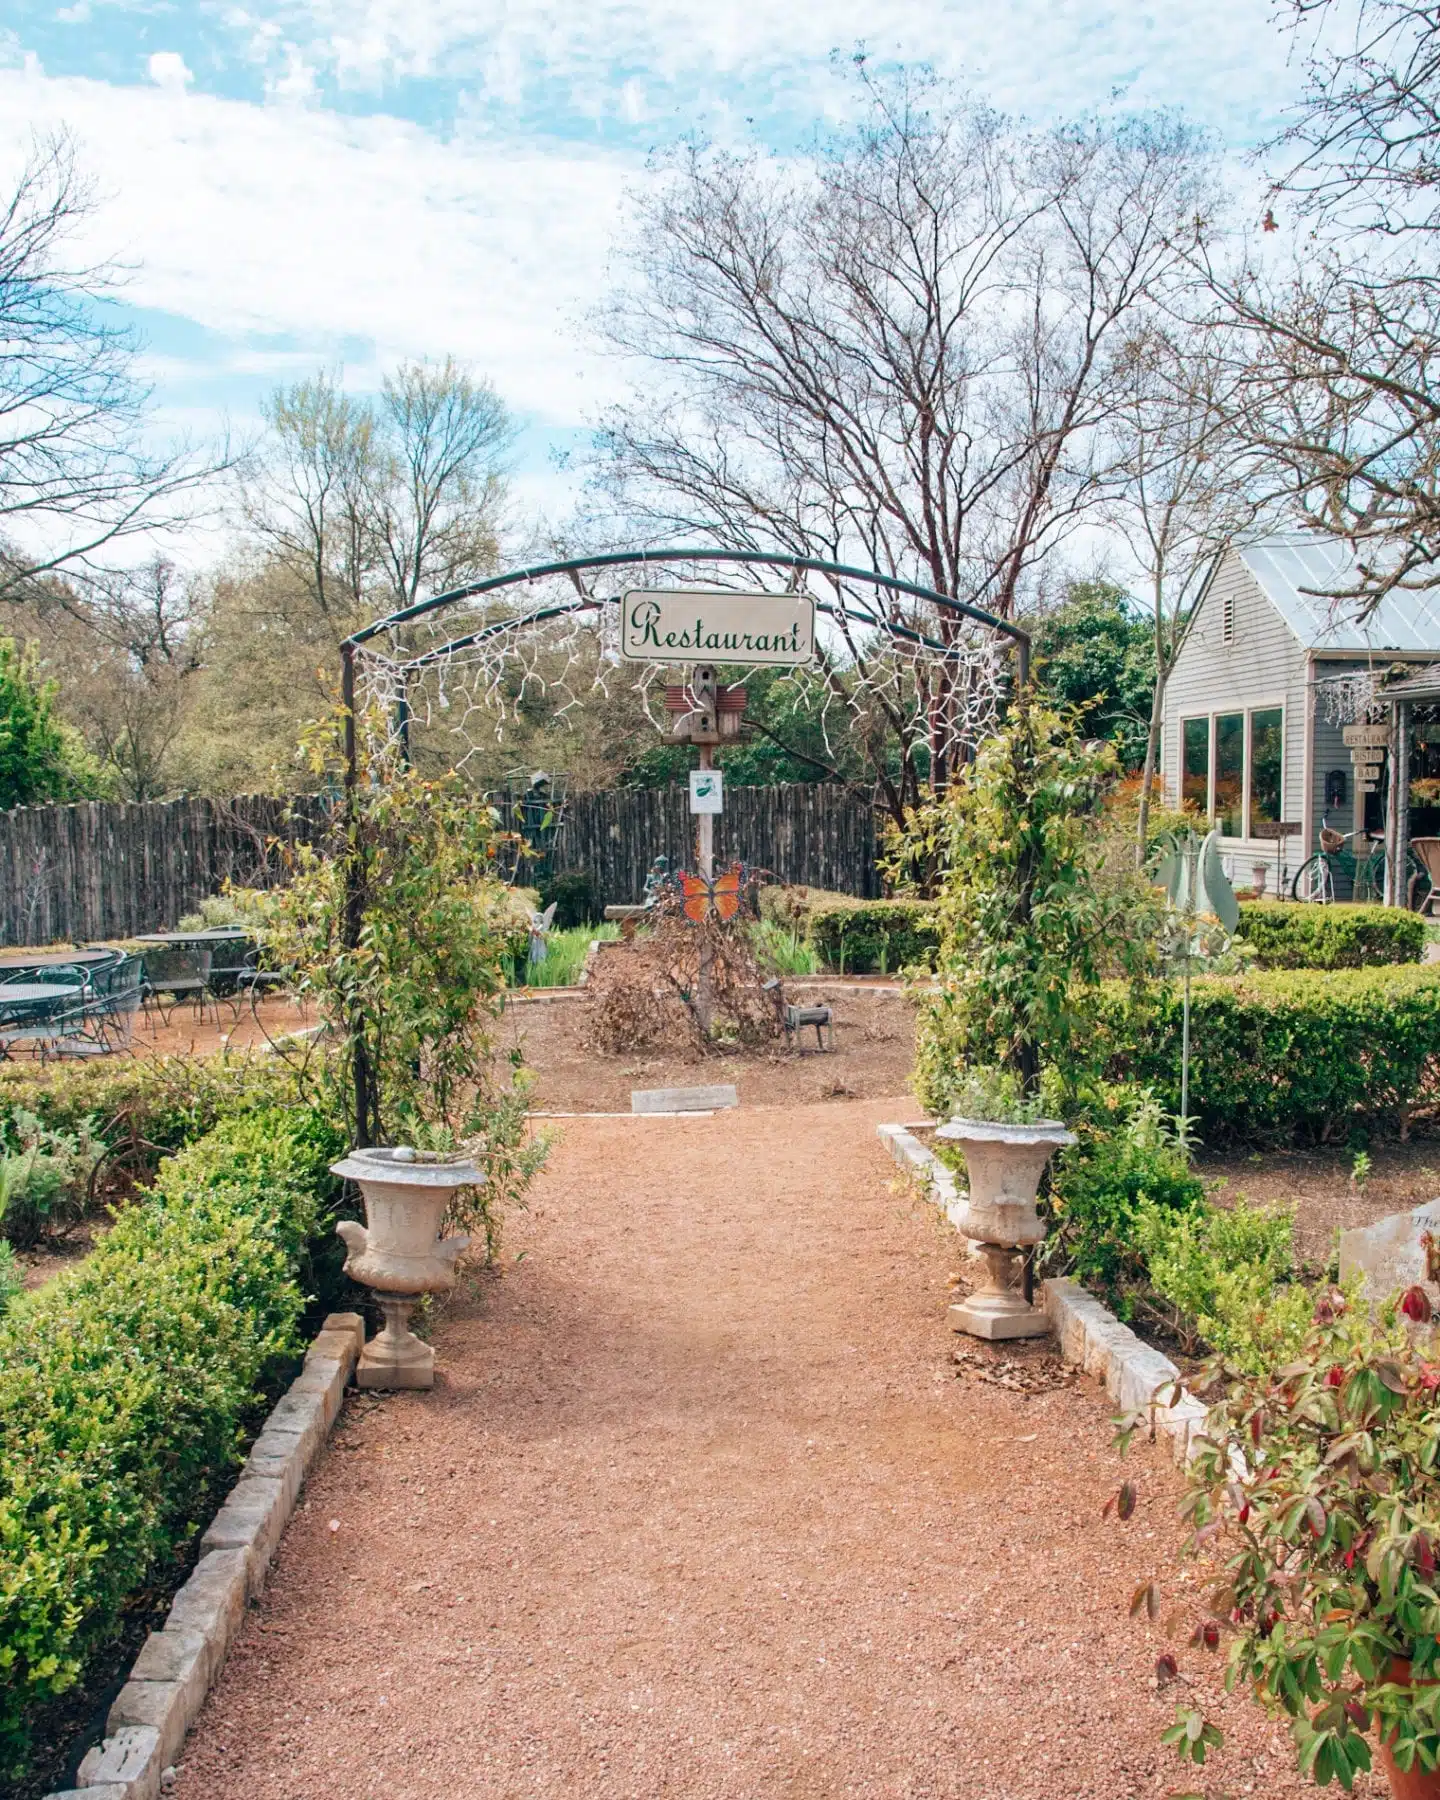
x,y
399,1252
1005,1163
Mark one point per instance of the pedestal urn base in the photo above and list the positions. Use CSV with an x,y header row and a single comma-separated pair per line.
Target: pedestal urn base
x,y
395,1357
998,1309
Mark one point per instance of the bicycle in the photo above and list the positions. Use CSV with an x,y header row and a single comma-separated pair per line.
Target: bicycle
x,y
1319,879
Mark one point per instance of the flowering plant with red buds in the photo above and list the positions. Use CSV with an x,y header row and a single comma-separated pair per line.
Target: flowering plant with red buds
x,y
1314,1495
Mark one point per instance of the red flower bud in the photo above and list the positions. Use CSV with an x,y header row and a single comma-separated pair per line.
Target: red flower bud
x,y
1415,1304
1335,1377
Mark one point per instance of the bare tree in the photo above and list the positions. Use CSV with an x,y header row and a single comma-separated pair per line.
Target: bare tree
x,y
1339,343
1186,487
127,654
901,353
366,505
76,477
435,507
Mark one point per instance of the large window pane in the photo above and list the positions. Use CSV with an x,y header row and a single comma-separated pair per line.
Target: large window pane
x,y
1267,743
1195,770
1229,771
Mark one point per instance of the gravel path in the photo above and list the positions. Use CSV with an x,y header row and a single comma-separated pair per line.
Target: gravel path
x,y
699,1507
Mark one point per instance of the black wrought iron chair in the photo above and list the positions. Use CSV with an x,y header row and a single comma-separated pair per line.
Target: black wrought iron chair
x,y
44,1021
183,972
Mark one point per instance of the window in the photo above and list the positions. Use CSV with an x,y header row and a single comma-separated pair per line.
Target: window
x,y
1232,768
1227,619
1195,767
1267,744
1229,773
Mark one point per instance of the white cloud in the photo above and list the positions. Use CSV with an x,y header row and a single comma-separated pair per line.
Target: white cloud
x,y
1227,60
167,70
289,222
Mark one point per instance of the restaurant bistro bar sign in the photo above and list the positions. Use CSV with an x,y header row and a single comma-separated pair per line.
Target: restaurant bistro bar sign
x,y
690,625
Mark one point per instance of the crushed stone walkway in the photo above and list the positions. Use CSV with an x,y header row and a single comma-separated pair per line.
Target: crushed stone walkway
x,y
700,1508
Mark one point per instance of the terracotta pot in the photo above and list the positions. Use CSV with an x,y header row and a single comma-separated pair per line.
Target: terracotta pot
x,y
1414,1783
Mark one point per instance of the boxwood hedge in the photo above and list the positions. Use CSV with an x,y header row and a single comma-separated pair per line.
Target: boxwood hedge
x,y
1285,1053
127,1388
1289,936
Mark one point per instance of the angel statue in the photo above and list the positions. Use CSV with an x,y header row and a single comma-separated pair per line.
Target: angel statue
x,y
540,923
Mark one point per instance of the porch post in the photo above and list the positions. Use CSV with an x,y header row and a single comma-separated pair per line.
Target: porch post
x,y
1307,766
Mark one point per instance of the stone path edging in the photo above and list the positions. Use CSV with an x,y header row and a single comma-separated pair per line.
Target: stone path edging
x,y
178,1665
1088,1333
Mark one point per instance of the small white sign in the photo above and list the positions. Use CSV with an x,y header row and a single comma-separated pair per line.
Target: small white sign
x,y
706,625
707,791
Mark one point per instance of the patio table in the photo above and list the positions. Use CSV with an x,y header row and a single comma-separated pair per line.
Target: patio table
x,y
30,993
218,935
56,959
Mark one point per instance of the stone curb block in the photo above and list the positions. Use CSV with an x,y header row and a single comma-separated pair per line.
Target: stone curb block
x,y
1088,1333
1133,1373
176,1667
927,1168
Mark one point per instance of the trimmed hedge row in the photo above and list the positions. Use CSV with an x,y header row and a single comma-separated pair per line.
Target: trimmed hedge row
x,y
144,1109
861,937
1285,1053
127,1388
1296,936
856,937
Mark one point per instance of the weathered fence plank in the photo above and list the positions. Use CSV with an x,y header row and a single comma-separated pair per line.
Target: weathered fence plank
x,y
70,874
812,834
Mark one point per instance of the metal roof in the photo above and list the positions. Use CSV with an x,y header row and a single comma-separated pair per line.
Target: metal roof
x,y
1299,576
1424,686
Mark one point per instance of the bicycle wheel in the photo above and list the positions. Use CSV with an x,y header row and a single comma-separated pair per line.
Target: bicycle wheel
x,y
1314,881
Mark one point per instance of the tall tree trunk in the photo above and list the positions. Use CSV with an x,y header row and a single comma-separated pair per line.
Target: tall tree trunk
x,y
1152,756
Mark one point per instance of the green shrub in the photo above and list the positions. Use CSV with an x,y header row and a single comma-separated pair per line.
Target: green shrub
x,y
44,1175
1331,937
11,1281
1286,1053
142,1109
1125,1159
870,937
782,950
1224,1273
127,1387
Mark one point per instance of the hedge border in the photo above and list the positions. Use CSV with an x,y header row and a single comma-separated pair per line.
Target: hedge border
x,y
178,1665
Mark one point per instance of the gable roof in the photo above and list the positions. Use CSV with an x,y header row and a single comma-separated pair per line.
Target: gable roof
x,y
1294,574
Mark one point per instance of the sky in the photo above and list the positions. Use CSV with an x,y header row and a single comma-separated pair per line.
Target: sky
x,y
293,184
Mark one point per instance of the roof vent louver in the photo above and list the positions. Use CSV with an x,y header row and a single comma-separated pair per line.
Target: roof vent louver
x,y
1227,619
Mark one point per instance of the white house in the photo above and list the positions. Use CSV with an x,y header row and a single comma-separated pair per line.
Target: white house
x,y
1247,737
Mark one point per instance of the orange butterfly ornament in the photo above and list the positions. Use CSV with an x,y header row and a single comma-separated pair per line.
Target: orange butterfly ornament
x,y
718,899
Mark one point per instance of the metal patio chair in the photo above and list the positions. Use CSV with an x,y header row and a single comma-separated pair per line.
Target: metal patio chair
x,y
183,972
110,1008
1427,851
43,1021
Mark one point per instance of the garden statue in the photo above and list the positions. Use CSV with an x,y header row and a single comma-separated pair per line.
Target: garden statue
x,y
398,1251
540,923
657,883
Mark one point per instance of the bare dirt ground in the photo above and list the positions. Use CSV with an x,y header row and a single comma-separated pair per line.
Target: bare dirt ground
x,y
1318,1183
702,1506
874,1053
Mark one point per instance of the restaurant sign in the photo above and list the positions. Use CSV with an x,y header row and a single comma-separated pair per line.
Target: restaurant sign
x,y
699,625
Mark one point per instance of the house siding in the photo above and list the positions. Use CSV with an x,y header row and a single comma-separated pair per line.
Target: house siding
x,y
1264,666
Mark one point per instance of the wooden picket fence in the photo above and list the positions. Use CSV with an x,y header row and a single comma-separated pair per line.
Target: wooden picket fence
x,y
103,869
72,874
812,834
